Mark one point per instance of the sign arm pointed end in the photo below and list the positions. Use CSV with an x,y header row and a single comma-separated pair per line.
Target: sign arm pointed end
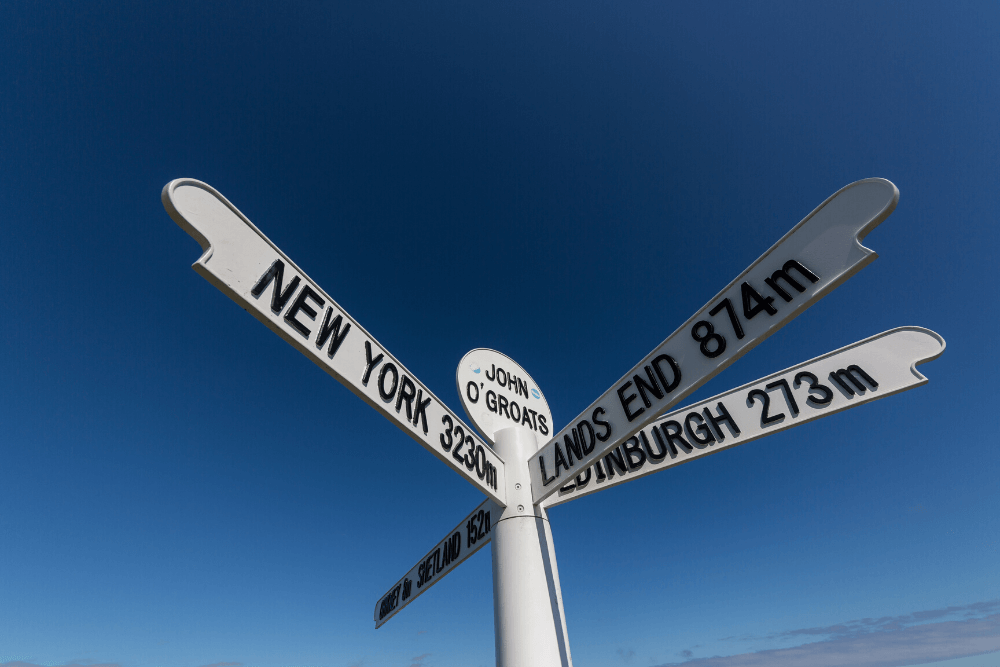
x,y
179,210
929,344
881,189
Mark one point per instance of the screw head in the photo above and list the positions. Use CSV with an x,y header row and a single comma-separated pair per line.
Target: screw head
x,y
520,508
517,486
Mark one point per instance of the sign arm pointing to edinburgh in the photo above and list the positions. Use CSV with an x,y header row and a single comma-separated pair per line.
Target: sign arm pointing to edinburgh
x,y
866,371
806,264
242,263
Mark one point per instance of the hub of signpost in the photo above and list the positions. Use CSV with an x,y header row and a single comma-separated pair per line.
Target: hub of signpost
x,y
522,463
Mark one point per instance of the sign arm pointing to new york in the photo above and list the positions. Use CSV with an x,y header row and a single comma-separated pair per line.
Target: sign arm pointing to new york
x,y
806,264
239,260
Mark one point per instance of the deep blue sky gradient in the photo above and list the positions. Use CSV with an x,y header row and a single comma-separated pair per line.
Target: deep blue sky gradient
x,y
566,183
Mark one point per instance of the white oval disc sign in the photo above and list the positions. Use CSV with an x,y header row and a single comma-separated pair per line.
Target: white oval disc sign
x,y
497,393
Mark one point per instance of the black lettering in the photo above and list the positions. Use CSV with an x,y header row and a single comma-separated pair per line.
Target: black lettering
x,y
649,450
716,422
560,460
653,386
522,387
372,363
853,374
459,442
278,297
701,429
634,456
502,403
541,467
601,422
515,417
421,412
491,400
573,446
753,302
675,372
468,391
501,377
673,431
664,446
544,428
534,419
494,373
625,401
480,462
331,330
387,395
826,395
407,392
765,418
300,304
526,417
614,459
600,471
782,274
586,429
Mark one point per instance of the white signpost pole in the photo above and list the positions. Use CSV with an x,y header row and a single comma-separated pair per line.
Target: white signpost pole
x,y
528,619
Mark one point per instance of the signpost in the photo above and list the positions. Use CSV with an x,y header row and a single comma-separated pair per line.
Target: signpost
x,y
521,467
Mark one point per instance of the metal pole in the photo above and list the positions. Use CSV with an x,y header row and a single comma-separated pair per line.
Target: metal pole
x,y
528,618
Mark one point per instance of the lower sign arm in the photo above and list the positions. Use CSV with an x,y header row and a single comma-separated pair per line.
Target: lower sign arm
x,y
470,536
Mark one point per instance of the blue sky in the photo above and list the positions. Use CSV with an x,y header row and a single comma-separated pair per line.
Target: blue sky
x,y
565,183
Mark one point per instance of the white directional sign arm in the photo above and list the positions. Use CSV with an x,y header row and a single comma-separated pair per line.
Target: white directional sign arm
x,y
866,371
242,263
811,260
467,538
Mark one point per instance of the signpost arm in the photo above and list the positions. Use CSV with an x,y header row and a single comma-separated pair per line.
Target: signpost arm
x,y
810,261
248,268
868,370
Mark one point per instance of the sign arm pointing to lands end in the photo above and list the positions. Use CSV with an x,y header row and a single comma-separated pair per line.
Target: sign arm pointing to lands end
x,y
248,268
810,261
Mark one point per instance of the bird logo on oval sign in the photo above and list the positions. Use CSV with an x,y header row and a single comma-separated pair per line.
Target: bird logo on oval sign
x,y
497,393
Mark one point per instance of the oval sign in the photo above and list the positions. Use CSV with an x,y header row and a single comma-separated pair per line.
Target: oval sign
x,y
497,393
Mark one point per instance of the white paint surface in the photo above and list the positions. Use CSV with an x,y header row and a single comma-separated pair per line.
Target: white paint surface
x,y
528,617
497,393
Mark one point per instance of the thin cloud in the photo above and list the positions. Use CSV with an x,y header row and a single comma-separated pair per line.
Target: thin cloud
x,y
889,623
20,663
892,647
419,660
224,664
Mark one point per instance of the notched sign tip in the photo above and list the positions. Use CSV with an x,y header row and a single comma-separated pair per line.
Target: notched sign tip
x,y
929,344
